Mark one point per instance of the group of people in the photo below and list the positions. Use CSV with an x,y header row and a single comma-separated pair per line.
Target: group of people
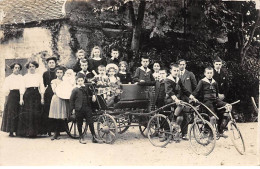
x,y
39,104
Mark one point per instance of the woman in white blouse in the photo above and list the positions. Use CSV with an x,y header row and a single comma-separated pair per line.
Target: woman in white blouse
x,y
14,90
31,116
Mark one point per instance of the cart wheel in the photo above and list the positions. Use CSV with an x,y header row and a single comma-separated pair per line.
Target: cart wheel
x,y
236,137
206,117
202,137
123,123
159,130
106,128
143,123
72,128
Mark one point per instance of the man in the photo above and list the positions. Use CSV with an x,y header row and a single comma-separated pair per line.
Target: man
x,y
221,78
190,83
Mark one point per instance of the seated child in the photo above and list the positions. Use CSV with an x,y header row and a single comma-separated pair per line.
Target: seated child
x,y
101,81
156,68
114,57
123,74
208,88
87,75
113,84
80,103
174,90
80,56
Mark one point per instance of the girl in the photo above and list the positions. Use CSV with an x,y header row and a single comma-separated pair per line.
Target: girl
x,y
125,76
31,116
96,60
13,88
59,107
113,84
156,68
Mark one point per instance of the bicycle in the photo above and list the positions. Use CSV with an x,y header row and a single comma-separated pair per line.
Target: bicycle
x,y
202,137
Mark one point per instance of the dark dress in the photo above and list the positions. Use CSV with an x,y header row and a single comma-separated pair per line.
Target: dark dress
x,y
48,123
125,78
93,64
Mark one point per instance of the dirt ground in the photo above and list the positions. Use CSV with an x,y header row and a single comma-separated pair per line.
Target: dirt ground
x,y
131,148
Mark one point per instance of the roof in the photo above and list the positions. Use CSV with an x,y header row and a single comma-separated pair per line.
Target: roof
x,y
26,11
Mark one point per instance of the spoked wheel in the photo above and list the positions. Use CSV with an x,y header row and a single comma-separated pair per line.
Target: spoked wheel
x,y
159,130
106,128
123,123
72,128
202,137
236,137
206,117
143,123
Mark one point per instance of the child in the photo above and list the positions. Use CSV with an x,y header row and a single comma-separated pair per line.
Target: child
x,y
101,81
208,88
114,57
124,75
143,73
80,56
174,90
160,89
59,107
80,102
156,68
113,84
96,60
87,75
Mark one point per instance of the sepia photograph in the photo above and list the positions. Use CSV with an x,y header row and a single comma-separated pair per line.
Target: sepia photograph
x,y
129,83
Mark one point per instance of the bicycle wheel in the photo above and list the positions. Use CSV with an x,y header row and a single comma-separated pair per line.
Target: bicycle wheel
x,y
206,117
106,128
236,137
72,128
143,123
159,130
202,137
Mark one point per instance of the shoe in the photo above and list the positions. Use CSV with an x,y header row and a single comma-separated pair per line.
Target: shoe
x,y
82,140
94,140
55,136
223,135
185,137
11,134
49,133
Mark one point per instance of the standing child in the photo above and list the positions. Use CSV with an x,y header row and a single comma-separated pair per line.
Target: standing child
x,y
80,56
59,107
80,102
114,57
175,90
160,89
208,88
143,73
156,68
96,59
88,75
123,74
113,84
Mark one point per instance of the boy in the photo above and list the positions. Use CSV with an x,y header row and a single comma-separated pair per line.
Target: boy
x,y
208,88
143,73
80,56
101,81
174,90
114,57
80,103
87,75
160,89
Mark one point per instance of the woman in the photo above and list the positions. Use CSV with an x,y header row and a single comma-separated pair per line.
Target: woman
x,y
31,116
13,89
48,76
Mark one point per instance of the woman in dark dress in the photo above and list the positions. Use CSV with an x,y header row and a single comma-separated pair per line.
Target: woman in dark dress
x,y
123,74
31,114
96,59
48,76
14,89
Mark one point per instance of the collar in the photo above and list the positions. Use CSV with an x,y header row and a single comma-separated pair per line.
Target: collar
x,y
218,71
147,70
207,80
183,71
84,72
80,86
172,79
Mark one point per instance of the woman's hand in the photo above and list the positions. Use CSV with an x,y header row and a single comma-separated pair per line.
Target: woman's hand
x,y
42,101
21,102
94,98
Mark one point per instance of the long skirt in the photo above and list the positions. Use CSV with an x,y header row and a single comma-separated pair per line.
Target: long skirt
x,y
31,114
59,108
47,123
11,112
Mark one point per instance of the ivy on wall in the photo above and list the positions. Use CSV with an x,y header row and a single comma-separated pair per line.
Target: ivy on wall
x,y
9,34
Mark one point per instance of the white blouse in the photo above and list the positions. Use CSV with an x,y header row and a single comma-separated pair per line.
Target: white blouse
x,y
34,80
13,82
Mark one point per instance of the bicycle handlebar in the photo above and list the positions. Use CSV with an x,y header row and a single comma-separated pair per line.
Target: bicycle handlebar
x,y
230,103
